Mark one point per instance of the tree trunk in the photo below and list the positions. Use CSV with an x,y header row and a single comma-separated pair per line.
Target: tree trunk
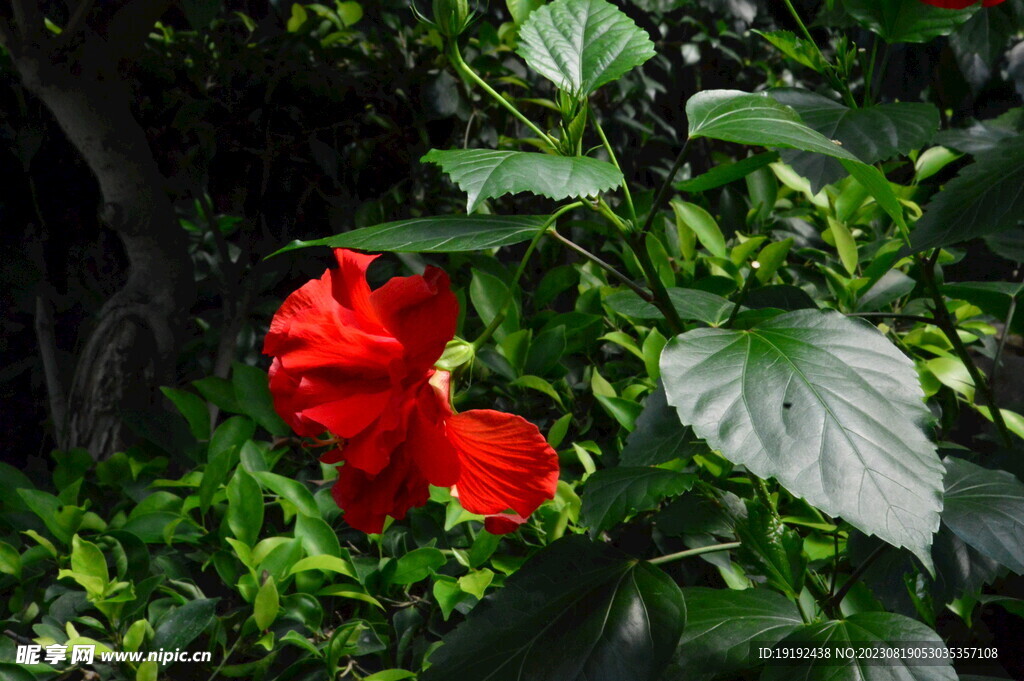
x,y
132,347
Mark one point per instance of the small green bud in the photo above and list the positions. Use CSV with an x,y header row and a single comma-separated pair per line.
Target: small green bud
x,y
451,17
456,353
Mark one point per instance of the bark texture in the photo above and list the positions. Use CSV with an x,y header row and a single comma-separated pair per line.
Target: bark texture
x,y
132,347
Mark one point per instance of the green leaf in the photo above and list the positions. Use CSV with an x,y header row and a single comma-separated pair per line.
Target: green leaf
x,y
658,436
487,174
10,560
476,582
690,304
252,391
724,628
219,391
417,565
390,675
845,244
87,559
266,604
293,491
327,563
317,537
193,408
864,629
521,9
872,133
796,48
576,610
61,520
613,493
757,119
245,507
580,45
703,225
181,625
993,297
725,173
771,549
907,21
985,198
825,404
985,508
437,234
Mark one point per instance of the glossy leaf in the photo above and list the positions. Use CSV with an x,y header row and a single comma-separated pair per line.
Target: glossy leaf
x,y
907,21
725,173
825,404
437,234
691,304
252,392
580,45
289,489
576,611
865,629
613,493
985,508
771,549
181,625
757,119
245,507
486,174
724,628
987,197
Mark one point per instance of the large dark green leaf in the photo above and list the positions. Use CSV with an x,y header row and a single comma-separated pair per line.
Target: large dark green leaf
x,y
907,21
486,174
690,304
758,119
724,629
985,198
872,134
580,45
612,494
981,42
825,404
985,508
576,611
658,436
724,173
863,630
437,234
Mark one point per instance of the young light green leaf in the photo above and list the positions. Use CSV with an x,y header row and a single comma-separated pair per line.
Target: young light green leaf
x,y
985,508
521,9
266,605
580,45
193,408
486,174
436,234
293,491
825,404
245,507
796,48
845,244
757,119
703,225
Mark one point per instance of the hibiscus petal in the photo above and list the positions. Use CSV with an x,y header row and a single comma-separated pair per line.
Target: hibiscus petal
x,y
368,499
506,462
503,523
283,387
351,414
421,312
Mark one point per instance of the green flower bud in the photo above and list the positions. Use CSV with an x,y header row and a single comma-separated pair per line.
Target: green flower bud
x,y
451,17
456,353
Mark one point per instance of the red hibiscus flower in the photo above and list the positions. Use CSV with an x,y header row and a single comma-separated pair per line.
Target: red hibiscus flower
x,y
360,364
960,4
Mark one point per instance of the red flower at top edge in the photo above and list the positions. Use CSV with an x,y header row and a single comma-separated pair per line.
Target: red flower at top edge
x,y
360,364
960,4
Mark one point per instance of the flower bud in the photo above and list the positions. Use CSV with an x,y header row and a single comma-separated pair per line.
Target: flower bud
x,y
451,17
456,353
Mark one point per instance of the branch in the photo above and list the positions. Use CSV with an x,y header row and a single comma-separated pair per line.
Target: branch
x,y
77,21
29,19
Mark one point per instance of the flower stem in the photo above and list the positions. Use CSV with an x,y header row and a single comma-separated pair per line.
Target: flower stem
x,y
462,67
662,195
945,322
610,269
660,560
615,161
833,77
509,296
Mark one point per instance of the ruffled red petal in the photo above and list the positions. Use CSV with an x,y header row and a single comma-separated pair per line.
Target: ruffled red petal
x,y
421,312
368,499
503,523
506,463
